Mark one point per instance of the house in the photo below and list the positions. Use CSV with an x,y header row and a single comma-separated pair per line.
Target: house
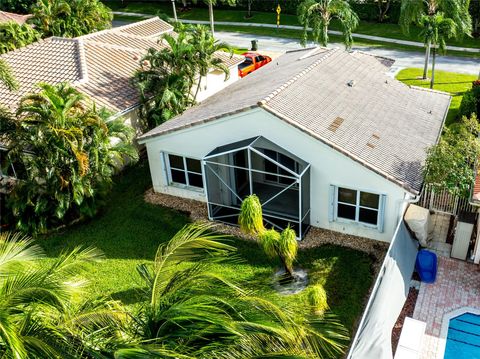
x,y
10,16
100,65
324,137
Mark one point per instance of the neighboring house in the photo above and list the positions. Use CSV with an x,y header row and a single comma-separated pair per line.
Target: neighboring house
x,y
100,65
10,16
324,137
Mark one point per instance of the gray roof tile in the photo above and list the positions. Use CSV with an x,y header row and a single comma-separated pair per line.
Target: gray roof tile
x,y
312,91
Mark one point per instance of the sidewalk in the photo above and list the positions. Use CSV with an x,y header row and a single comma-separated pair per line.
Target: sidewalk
x,y
292,27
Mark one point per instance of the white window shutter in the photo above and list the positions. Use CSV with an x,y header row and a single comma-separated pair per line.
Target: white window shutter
x,y
163,163
381,213
331,203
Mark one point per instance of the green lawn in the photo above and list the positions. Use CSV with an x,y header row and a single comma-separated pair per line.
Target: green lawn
x,y
129,230
454,83
376,29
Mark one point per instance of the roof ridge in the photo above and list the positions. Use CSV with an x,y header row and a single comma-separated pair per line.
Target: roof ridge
x,y
269,97
82,62
134,24
115,47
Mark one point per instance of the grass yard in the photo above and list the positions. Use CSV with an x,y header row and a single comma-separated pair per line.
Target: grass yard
x,y
129,230
235,15
454,83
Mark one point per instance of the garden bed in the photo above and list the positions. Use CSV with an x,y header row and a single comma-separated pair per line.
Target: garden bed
x,y
407,311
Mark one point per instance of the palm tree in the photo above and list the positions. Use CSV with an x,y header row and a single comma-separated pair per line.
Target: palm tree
x,y
414,12
14,36
40,314
205,47
76,152
319,13
195,312
6,76
436,30
211,4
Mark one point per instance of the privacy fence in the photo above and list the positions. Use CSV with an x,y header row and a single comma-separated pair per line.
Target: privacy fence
x,y
373,338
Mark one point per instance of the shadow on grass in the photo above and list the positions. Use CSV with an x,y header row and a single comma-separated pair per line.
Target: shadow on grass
x,y
131,296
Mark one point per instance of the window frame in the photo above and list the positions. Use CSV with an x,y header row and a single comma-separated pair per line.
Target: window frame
x,y
279,175
358,207
185,170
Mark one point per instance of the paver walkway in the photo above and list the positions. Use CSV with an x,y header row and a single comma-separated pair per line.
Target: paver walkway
x,y
457,286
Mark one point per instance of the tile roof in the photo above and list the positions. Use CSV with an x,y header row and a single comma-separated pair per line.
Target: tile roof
x,y
10,16
342,100
100,64
51,60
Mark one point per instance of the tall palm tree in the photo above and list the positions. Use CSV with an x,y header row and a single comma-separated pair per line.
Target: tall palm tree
x,y
319,13
6,76
414,12
211,4
205,47
195,312
436,30
76,152
40,313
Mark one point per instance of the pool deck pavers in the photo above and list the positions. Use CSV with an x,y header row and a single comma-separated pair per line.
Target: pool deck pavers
x,y
457,286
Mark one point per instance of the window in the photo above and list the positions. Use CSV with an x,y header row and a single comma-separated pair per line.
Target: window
x,y
259,58
185,171
273,169
358,206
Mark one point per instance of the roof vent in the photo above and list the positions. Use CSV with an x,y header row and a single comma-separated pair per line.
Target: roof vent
x,y
336,124
351,83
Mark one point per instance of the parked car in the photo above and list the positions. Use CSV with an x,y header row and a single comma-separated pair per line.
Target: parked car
x,y
253,61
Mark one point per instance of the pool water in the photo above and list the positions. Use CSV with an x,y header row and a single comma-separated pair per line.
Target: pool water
x,y
463,339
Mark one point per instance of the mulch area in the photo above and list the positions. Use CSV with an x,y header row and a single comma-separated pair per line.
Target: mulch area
x,y
315,237
407,311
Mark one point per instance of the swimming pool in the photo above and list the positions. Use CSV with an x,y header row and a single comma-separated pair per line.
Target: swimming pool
x,y
463,338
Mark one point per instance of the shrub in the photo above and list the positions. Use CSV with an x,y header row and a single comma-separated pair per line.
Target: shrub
x,y
14,36
251,217
468,104
317,298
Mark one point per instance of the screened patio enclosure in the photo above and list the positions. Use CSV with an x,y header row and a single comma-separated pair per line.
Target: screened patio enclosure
x,y
258,166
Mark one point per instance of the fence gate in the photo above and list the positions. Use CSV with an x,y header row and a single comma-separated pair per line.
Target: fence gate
x,y
444,202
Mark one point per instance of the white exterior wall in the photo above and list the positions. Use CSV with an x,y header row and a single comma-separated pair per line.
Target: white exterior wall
x,y
214,82
327,166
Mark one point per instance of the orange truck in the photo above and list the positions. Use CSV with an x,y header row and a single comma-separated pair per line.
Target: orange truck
x,y
253,61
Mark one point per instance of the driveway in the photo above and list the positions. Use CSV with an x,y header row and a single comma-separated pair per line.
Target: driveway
x,y
402,58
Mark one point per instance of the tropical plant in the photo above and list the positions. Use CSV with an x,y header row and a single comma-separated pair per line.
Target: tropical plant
x,y
6,76
317,297
14,36
167,77
319,13
17,6
194,311
69,153
205,47
275,245
42,313
436,30
70,18
450,164
416,11
251,216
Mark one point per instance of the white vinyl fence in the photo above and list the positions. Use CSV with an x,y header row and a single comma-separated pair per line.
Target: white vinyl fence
x,y
373,337
442,201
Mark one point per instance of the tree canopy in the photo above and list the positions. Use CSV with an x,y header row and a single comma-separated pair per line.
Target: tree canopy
x,y
65,153
70,18
450,164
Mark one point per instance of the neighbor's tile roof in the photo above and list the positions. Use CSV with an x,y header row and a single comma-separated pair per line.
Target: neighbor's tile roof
x,y
52,60
10,16
100,64
342,100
